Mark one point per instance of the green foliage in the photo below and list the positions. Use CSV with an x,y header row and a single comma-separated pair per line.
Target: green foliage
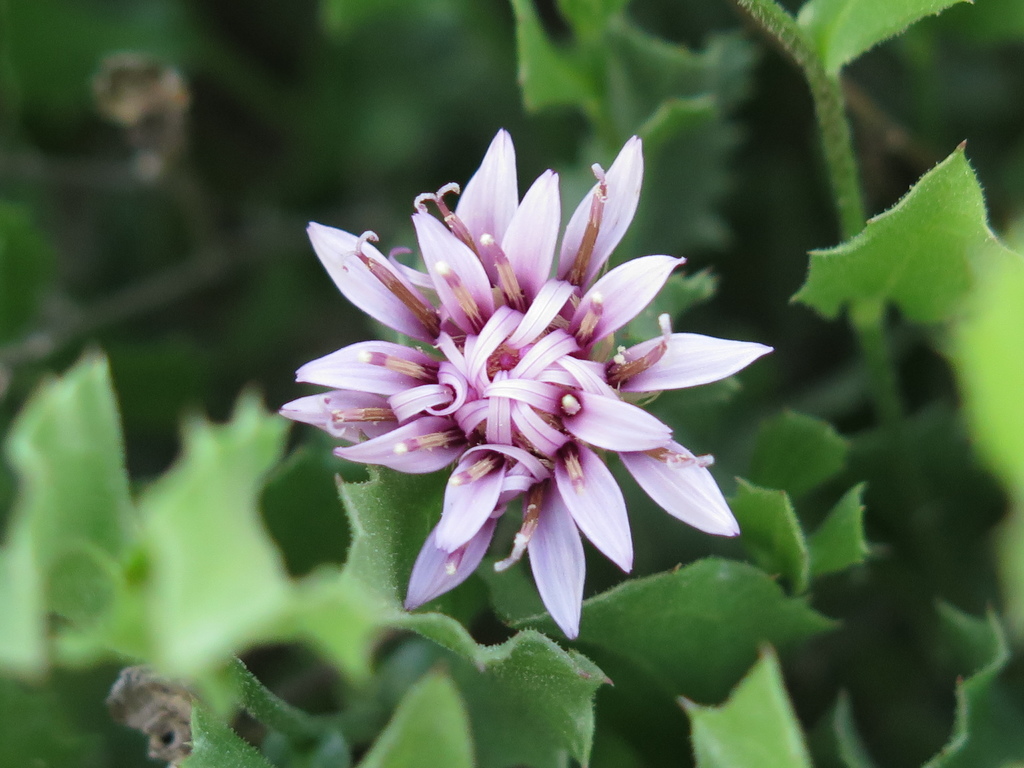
x,y
755,727
922,255
839,541
772,534
796,453
215,745
26,266
844,29
835,743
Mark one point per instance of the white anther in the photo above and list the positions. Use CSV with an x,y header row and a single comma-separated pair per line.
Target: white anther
x,y
443,269
364,357
400,449
570,404
486,239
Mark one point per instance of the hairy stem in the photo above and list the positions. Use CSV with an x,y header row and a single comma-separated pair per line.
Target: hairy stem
x,y
275,713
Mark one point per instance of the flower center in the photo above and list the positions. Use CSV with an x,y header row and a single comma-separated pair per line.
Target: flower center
x,y
504,358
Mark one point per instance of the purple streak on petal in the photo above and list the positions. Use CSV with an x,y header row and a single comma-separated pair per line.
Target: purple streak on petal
x,y
588,375
467,506
431,578
625,292
343,369
596,504
685,490
536,393
502,323
544,353
558,564
381,450
624,178
439,245
452,377
544,308
411,402
499,416
544,437
490,198
691,360
530,239
336,249
610,423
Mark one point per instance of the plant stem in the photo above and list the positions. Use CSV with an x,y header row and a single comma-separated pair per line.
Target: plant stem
x,y
868,320
275,713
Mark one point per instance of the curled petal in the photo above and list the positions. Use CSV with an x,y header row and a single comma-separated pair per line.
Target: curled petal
x,y
529,242
538,432
471,415
416,400
536,393
624,292
502,323
558,564
544,353
437,571
337,250
370,366
588,375
421,446
452,377
596,504
690,360
467,504
608,422
490,198
448,258
683,488
543,309
499,418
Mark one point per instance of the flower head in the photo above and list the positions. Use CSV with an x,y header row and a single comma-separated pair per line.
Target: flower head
x,y
517,381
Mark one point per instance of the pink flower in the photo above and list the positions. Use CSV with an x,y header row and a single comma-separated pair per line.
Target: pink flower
x,y
517,380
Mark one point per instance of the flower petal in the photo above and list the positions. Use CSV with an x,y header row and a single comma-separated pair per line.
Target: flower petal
x,y
436,571
608,422
502,323
529,242
558,564
537,393
684,489
690,360
544,353
596,504
415,400
398,448
337,251
440,247
327,411
468,505
541,435
543,309
624,292
348,368
490,198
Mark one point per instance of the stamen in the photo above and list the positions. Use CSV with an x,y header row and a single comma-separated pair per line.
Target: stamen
x,y
476,470
507,280
398,365
590,319
619,370
574,469
462,294
428,441
453,222
522,539
579,266
426,314
363,414
570,404
453,561
671,457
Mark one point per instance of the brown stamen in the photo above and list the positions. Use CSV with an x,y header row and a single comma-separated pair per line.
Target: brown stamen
x,y
582,261
454,223
507,280
462,294
363,414
526,531
591,318
398,365
574,469
428,441
426,314
476,470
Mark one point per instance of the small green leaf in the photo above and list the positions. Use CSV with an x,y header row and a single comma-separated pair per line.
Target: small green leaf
x,y
217,580
796,453
771,533
430,728
215,745
835,743
26,264
920,255
755,728
839,541
844,29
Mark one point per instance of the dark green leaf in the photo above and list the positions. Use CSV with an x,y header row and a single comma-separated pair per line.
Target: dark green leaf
x,y
796,453
26,264
839,541
771,532
589,18
835,743
215,745
755,727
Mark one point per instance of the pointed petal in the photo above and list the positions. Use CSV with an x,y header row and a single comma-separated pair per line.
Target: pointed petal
x,y
337,251
684,489
530,240
596,504
490,198
438,245
542,436
436,571
346,369
467,506
690,360
391,450
625,292
610,423
588,375
625,177
502,323
558,564
326,411
543,309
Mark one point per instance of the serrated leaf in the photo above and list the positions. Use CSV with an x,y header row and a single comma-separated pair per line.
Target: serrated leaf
x,y
215,745
844,29
771,533
839,541
697,629
835,742
920,255
755,728
430,728
796,453
26,264
216,576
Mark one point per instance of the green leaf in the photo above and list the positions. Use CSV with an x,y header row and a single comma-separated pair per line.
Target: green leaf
x,y
589,18
755,728
430,728
989,727
696,629
844,29
839,541
217,580
920,255
771,533
26,265
215,745
796,453
835,743
23,629
38,731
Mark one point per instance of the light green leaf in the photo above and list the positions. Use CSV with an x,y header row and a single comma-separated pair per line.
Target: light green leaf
x,y
842,30
835,743
839,541
696,629
921,255
430,728
771,533
796,453
23,648
755,728
26,263
215,745
217,580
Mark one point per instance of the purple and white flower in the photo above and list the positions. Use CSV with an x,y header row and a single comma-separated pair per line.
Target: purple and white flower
x,y
516,379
